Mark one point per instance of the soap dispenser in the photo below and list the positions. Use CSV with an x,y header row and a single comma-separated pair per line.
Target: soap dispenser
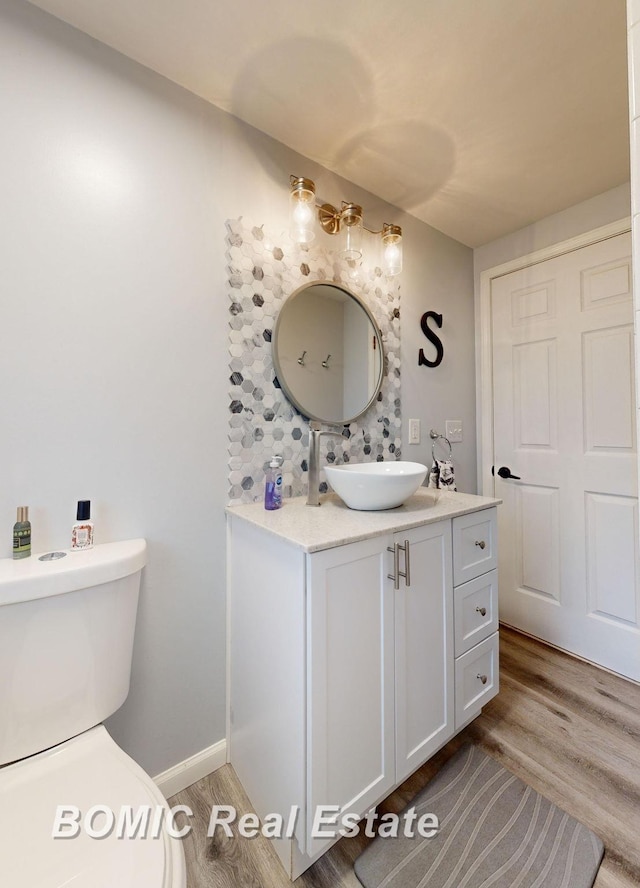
x,y
273,485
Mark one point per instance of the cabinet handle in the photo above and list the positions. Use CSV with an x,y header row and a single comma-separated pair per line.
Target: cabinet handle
x,y
482,611
407,562
483,678
395,576
481,543
397,573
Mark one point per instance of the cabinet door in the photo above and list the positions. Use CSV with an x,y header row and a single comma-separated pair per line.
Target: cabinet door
x,y
424,647
350,680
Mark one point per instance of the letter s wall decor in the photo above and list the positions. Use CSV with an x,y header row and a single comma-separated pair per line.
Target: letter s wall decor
x,y
432,337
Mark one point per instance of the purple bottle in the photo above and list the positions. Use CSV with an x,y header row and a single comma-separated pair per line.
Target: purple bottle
x,y
273,485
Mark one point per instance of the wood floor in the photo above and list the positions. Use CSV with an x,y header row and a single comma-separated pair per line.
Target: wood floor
x,y
570,730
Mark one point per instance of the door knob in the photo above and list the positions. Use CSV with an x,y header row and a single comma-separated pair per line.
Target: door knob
x,y
505,472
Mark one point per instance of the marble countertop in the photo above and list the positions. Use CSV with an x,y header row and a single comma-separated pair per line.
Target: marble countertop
x,y
314,528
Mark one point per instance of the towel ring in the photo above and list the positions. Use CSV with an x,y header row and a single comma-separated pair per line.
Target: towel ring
x,y
436,437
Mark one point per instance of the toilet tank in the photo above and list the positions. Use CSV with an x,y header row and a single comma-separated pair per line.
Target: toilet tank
x,y
66,640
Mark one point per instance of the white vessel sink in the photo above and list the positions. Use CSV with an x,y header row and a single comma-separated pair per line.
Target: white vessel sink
x,y
377,485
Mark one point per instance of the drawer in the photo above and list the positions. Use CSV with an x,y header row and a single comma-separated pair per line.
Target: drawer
x,y
477,679
475,611
474,545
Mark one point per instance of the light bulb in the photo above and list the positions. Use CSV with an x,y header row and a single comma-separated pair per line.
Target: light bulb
x,y
302,210
392,248
351,232
391,255
302,215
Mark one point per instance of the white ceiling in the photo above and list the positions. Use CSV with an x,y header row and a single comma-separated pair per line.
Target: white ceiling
x,y
477,116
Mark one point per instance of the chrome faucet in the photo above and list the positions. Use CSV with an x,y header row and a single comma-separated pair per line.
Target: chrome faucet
x,y
313,466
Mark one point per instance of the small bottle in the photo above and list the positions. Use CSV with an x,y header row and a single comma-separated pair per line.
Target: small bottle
x,y
22,534
273,485
82,530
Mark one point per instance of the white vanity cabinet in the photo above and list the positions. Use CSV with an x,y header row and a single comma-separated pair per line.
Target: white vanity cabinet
x,y
343,679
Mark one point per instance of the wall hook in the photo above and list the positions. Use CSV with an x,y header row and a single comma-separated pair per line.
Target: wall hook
x,y
325,363
301,358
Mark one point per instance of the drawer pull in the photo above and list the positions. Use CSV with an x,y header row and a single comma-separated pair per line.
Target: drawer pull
x,y
482,611
481,543
483,678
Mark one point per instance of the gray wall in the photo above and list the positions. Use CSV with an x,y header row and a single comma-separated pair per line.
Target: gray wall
x,y
114,366
599,210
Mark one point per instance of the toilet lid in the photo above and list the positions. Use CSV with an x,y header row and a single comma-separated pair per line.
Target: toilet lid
x,y
86,771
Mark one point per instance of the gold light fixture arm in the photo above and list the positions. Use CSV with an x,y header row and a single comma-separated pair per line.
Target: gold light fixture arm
x,y
329,218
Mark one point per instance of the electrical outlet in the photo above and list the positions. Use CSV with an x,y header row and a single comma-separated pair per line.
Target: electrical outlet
x,y
414,431
453,430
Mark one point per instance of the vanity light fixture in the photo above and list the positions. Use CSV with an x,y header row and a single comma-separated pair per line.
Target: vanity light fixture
x,y
346,222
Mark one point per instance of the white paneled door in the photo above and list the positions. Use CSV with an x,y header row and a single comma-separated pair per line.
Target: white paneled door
x,y
564,423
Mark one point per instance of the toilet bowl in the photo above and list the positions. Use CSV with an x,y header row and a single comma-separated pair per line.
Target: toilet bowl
x,y
79,774
75,809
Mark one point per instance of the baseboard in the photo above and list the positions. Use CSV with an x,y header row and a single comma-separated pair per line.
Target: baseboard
x,y
190,770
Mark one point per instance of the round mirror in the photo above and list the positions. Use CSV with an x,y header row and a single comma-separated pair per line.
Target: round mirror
x,y
327,352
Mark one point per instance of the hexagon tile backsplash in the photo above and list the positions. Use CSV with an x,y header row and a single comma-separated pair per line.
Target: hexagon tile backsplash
x,y
262,272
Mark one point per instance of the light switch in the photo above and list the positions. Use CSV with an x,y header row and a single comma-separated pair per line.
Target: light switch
x,y
414,431
453,430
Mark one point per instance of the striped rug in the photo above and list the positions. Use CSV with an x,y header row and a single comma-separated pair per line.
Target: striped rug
x,y
494,832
